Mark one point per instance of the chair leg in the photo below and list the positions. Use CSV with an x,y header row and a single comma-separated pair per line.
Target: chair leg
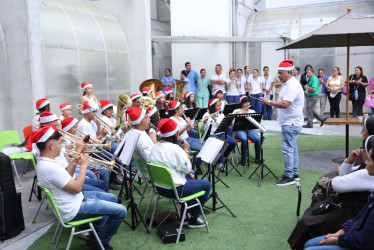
x,y
177,209
149,204
70,238
33,188
15,171
142,196
182,222
202,213
153,214
37,212
56,232
96,236
59,236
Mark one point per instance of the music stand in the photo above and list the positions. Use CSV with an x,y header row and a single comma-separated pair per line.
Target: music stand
x,y
124,152
162,113
262,165
222,128
213,149
229,108
191,113
201,113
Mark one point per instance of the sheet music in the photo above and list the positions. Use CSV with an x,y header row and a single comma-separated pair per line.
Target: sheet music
x,y
258,125
210,150
128,144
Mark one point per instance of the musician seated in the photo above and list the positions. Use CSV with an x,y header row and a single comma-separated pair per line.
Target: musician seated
x,y
190,103
65,109
107,116
41,106
166,153
135,100
160,100
155,119
169,95
70,125
244,103
212,119
147,91
72,203
218,93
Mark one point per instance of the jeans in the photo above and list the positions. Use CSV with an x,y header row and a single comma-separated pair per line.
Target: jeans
x,y
289,149
358,104
95,185
253,136
268,110
314,244
203,101
97,204
334,105
231,147
256,102
195,145
191,187
311,112
104,175
233,99
194,133
372,111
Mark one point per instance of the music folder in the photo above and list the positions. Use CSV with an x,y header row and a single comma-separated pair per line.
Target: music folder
x,y
191,113
126,148
229,108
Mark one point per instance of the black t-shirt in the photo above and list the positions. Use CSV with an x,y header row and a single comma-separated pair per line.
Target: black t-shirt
x,y
353,86
303,80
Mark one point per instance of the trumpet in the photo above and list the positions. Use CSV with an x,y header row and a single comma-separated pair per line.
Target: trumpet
x,y
86,138
93,148
93,140
92,162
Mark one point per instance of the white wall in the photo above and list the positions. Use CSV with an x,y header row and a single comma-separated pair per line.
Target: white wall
x,y
270,57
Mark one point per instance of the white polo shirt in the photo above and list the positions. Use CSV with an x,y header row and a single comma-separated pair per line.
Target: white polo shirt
x,y
143,146
242,83
174,158
90,128
293,92
267,83
233,90
55,177
219,77
256,85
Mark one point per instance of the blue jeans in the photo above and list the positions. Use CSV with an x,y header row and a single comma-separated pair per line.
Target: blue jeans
x,y
231,147
253,136
256,104
232,99
100,203
267,109
372,111
95,185
289,149
194,133
191,187
314,244
104,175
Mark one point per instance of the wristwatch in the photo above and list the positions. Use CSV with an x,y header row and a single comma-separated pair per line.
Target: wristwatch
x,y
269,102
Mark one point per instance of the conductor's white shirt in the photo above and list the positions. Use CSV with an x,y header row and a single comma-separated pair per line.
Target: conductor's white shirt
x,y
174,158
143,146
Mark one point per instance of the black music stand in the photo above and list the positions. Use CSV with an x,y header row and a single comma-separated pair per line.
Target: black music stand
x,y
229,108
213,149
262,165
124,152
201,113
243,124
222,128
162,113
191,113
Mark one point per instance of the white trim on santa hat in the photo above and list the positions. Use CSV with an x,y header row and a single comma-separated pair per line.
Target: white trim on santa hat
x,y
86,86
170,133
187,94
169,91
285,68
152,112
216,90
137,121
241,98
47,134
176,106
93,107
45,103
106,107
46,119
160,95
135,96
213,102
66,107
71,124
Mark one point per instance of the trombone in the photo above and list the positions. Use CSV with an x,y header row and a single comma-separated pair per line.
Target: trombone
x,y
92,162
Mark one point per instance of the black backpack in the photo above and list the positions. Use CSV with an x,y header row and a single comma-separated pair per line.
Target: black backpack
x,y
11,216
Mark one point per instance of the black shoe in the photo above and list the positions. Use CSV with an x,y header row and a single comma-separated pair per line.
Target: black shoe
x,y
307,126
221,167
116,181
296,177
258,161
242,162
285,181
206,211
195,223
323,121
113,186
198,170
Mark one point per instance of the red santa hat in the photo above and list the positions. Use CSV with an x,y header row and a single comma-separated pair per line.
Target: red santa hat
x,y
172,105
46,117
159,94
146,90
135,114
85,85
212,102
286,65
41,103
168,128
187,94
134,97
168,91
89,107
162,121
105,104
68,123
151,110
40,135
215,91
65,106
242,97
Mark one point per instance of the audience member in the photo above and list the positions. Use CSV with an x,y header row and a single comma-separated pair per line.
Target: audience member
x,y
167,81
357,91
219,80
203,85
192,76
334,86
233,88
268,92
255,90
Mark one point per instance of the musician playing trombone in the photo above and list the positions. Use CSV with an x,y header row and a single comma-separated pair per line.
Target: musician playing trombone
x,y
107,116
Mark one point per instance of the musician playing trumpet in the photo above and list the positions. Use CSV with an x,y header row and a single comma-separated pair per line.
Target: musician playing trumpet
x,y
107,116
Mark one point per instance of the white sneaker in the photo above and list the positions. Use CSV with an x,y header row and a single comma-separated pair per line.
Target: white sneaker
x,y
315,120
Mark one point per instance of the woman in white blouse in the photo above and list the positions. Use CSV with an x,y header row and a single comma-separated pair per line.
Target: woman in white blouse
x,y
255,90
233,88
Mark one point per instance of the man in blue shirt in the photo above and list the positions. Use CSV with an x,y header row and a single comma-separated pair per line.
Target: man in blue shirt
x,y
192,76
190,86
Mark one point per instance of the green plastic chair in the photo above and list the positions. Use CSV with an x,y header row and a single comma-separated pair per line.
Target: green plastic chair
x,y
70,224
201,132
161,177
146,180
12,137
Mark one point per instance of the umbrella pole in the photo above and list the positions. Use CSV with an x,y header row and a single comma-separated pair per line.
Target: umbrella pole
x,y
347,110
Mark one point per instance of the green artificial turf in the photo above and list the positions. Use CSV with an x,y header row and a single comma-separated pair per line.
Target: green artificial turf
x,y
266,215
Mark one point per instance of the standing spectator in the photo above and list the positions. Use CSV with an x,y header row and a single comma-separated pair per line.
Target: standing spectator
x,y
242,81
167,81
203,83
369,102
304,81
321,104
290,118
192,76
296,73
268,92
190,86
255,90
312,90
357,91
248,76
233,88
334,85
219,80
